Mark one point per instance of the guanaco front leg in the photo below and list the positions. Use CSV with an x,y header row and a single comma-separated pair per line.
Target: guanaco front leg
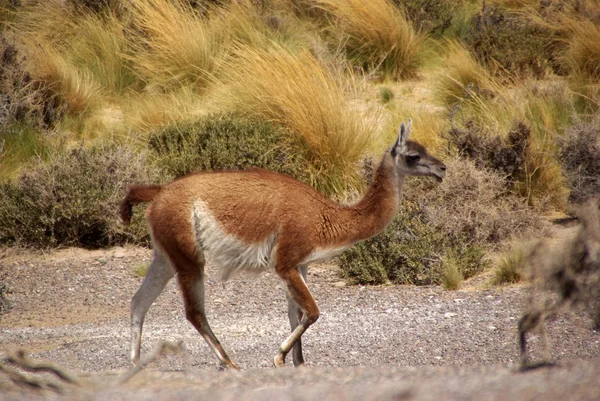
x,y
295,316
298,291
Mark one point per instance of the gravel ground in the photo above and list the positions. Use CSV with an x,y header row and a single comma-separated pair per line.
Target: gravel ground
x,y
71,307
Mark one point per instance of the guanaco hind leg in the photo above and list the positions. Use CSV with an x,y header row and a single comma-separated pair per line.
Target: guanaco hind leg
x,y
158,275
191,281
295,315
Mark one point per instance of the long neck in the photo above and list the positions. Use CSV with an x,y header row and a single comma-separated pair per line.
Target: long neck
x,y
379,205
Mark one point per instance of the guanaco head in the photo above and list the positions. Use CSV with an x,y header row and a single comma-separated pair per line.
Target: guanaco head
x,y
411,158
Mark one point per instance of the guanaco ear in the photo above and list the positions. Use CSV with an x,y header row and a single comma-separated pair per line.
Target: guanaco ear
x,y
403,134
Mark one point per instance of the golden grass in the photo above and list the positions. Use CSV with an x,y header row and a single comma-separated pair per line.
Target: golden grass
x,y
171,44
461,77
428,126
452,278
509,267
150,110
294,91
377,36
100,47
76,88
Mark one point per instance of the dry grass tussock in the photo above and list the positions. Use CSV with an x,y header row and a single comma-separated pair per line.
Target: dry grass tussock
x,y
171,44
376,36
462,78
570,269
294,91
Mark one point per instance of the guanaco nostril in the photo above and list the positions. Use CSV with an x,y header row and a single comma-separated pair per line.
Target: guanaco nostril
x,y
443,167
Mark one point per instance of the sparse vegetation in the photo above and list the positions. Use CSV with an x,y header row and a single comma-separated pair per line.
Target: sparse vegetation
x,y
580,155
386,94
140,270
509,43
309,88
71,199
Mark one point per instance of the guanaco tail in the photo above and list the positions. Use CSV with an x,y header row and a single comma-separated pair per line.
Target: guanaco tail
x,y
258,220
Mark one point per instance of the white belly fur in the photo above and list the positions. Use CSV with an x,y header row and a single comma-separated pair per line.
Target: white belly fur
x,y
323,253
228,252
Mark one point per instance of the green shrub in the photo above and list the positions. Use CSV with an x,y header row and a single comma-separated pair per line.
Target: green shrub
x,y
230,141
579,154
386,94
72,199
433,16
440,228
510,43
409,251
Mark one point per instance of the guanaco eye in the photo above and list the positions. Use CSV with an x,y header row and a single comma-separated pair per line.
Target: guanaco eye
x,y
413,158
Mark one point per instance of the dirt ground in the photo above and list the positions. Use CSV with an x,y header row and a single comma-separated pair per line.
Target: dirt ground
x,y
71,307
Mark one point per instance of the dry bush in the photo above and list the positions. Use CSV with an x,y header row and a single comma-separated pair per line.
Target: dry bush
x,y
293,91
432,16
442,230
473,204
72,199
504,155
377,36
579,154
569,269
509,269
509,43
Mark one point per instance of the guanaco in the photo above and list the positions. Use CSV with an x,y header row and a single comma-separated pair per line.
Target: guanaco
x,y
258,220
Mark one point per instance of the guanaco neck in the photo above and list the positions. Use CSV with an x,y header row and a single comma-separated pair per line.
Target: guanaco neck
x,y
375,210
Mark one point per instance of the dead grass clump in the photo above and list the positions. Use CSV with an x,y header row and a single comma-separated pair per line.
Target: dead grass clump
x,y
509,268
474,205
294,91
377,36
72,199
571,270
579,154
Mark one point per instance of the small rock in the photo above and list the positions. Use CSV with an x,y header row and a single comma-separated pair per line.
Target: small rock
x,y
448,315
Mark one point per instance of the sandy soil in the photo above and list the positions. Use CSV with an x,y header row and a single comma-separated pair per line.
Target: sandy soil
x,y
71,307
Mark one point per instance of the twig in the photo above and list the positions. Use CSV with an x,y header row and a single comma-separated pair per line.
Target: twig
x,y
21,360
24,381
163,348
